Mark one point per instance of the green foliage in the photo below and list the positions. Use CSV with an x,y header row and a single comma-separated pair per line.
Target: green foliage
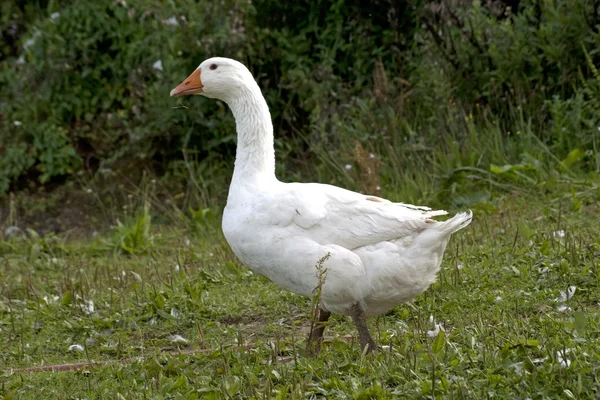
x,y
425,87
135,236
201,219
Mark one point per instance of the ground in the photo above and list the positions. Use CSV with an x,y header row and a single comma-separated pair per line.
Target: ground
x,y
514,314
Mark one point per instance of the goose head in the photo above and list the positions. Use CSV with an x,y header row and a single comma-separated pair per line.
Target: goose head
x,y
217,78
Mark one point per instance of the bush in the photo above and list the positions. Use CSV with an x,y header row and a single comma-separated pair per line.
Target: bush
x,y
427,86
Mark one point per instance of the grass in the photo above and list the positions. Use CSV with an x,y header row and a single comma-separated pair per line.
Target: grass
x,y
514,314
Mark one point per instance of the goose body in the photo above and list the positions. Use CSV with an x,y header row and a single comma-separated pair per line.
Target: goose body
x,y
380,254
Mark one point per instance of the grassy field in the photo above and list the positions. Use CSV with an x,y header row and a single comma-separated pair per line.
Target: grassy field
x,y
456,106
514,314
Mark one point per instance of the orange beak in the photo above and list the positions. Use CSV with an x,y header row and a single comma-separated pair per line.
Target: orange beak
x,y
192,85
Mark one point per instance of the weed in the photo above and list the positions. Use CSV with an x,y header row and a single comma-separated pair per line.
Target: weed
x,y
134,236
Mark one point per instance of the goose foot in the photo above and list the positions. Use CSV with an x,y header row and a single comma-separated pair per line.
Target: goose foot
x,y
316,334
366,341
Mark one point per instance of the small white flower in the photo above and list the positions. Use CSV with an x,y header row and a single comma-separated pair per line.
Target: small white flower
x,y
177,339
378,188
17,123
177,267
171,21
54,260
174,313
347,167
54,16
76,347
371,155
89,190
459,266
158,65
187,241
498,299
559,233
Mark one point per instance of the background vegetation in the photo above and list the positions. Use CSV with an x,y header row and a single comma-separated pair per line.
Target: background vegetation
x,y
461,98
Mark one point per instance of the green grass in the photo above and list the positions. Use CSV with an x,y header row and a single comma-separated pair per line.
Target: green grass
x,y
505,334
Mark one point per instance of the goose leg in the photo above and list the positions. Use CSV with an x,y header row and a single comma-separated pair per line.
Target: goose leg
x,y
316,335
358,316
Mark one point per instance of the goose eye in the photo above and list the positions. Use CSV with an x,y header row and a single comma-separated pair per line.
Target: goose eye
x,y
213,66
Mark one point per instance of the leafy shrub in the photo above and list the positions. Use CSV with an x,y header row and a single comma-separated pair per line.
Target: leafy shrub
x,y
429,87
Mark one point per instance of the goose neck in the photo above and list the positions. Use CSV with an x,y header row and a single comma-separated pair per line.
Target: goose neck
x,y
255,155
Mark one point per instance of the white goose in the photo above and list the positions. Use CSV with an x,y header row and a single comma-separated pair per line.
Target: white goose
x,y
381,253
